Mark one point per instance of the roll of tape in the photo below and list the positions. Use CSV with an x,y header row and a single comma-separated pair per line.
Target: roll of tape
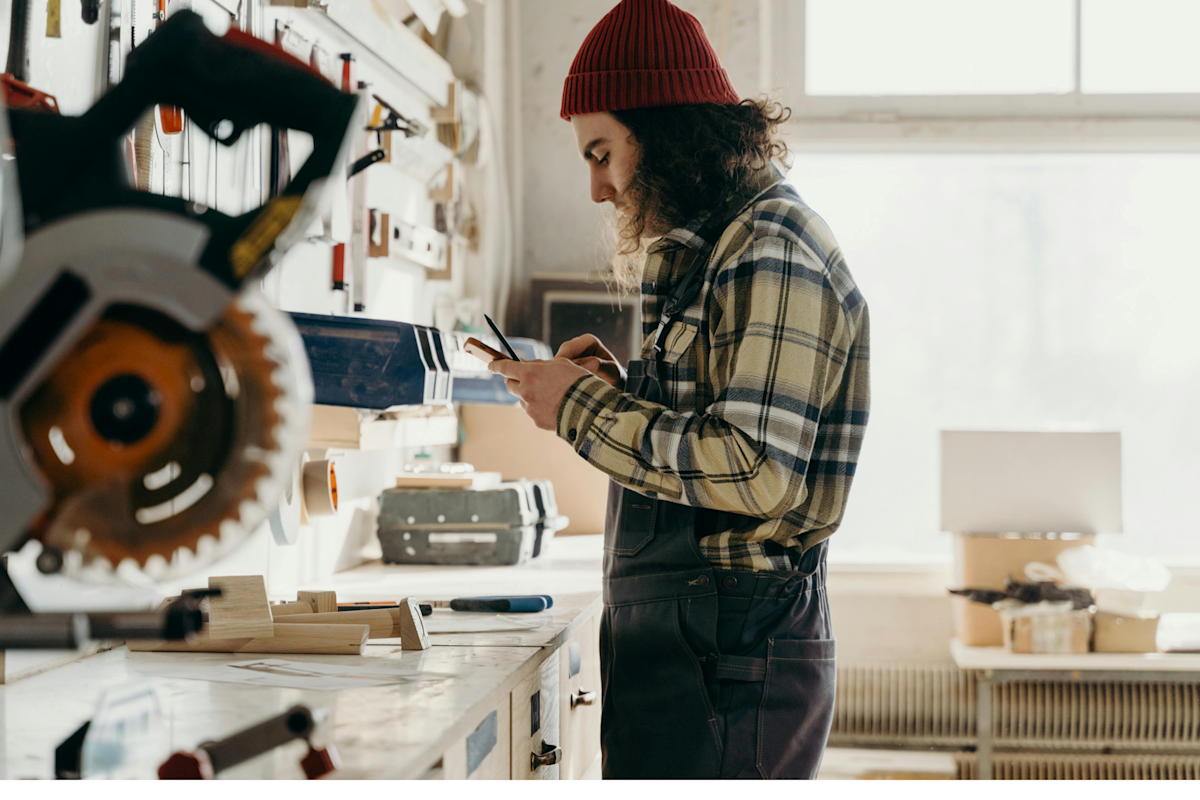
x,y
287,519
320,488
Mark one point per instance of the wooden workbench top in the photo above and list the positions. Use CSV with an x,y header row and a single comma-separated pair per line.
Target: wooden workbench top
x,y
393,731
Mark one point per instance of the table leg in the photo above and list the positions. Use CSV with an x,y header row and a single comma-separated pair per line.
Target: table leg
x,y
983,723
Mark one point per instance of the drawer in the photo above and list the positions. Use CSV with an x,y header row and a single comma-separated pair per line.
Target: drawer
x,y
483,754
579,700
535,724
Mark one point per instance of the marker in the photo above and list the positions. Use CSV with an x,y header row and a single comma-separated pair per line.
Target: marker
x,y
500,336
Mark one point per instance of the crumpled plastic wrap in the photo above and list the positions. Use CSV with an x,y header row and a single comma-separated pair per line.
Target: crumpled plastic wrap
x,y
1110,569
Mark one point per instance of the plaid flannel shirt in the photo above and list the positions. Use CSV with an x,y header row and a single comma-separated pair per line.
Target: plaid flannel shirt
x,y
767,375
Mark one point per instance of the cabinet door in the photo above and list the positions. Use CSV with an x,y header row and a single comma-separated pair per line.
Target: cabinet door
x,y
579,700
535,725
483,754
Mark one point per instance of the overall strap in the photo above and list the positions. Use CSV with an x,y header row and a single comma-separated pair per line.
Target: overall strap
x,y
684,292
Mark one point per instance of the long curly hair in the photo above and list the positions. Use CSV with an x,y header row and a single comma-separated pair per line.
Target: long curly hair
x,y
691,159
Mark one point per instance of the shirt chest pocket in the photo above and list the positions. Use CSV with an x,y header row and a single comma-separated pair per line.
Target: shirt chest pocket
x,y
679,356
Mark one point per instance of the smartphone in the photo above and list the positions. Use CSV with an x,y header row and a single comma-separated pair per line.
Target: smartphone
x,y
482,351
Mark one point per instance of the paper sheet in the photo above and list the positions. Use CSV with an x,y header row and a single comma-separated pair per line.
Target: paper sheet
x,y
282,672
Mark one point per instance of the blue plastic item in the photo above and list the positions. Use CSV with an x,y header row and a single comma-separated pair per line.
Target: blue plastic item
x,y
511,604
374,363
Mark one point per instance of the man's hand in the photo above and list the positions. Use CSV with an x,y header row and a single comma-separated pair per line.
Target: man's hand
x,y
589,353
541,385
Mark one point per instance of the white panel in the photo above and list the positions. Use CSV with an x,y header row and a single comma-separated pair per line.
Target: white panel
x,y
997,482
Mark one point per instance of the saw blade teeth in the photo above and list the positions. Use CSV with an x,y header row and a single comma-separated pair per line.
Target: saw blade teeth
x,y
182,560
156,567
101,567
232,532
206,548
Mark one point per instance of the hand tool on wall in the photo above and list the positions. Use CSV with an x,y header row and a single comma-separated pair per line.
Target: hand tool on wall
x,y
169,117
210,759
394,120
152,404
15,80
89,11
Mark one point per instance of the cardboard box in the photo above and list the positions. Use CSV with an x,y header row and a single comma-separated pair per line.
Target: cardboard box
x,y
1066,632
1121,633
504,439
984,561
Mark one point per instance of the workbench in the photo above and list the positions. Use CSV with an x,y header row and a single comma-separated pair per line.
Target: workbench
x,y
473,689
996,665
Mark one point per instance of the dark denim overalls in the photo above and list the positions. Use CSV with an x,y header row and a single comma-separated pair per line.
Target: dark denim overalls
x,y
706,673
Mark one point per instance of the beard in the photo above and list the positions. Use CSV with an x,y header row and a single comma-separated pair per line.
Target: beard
x,y
626,256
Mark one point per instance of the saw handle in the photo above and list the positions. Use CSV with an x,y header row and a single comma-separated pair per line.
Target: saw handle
x,y
226,85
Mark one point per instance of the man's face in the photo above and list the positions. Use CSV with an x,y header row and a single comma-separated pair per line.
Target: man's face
x,y
611,155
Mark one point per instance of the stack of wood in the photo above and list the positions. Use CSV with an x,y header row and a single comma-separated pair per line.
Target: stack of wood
x,y
241,620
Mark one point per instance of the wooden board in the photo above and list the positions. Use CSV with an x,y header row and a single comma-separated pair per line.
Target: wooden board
x,y
321,602
290,609
242,610
412,627
384,623
319,639
431,482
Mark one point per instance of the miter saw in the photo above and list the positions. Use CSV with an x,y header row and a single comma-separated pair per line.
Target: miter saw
x,y
152,404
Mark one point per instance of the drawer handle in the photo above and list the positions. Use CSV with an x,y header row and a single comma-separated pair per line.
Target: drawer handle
x,y
582,698
549,755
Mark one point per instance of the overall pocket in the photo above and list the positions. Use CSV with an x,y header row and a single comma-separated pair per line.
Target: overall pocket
x,y
656,719
633,527
797,707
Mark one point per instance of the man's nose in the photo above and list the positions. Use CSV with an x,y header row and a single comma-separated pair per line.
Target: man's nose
x,y
602,189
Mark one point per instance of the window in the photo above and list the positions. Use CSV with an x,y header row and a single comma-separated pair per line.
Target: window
x,y
1020,291
915,47
1104,74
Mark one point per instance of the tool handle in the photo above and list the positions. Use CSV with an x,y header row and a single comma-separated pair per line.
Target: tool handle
x,y
516,604
18,41
295,723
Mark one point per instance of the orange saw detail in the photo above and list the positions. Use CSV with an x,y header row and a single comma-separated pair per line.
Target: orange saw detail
x,y
152,437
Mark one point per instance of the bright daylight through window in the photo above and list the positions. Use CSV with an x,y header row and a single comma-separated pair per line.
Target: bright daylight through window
x,y
1013,288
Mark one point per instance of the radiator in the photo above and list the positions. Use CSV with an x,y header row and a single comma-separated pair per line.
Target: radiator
x,y
904,705
1107,714
933,706
1079,766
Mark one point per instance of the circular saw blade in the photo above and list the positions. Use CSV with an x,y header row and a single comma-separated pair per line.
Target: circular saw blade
x,y
183,459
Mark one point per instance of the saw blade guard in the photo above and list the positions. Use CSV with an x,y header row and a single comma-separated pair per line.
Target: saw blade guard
x,y
12,236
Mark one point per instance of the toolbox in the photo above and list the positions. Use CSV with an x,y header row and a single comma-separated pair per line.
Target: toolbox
x,y
502,525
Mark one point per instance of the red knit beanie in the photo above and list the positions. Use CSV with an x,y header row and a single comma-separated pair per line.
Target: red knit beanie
x,y
645,53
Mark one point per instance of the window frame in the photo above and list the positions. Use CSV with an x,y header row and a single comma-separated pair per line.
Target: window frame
x,y
1072,121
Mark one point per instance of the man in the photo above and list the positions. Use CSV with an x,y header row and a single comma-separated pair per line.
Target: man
x,y
733,441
